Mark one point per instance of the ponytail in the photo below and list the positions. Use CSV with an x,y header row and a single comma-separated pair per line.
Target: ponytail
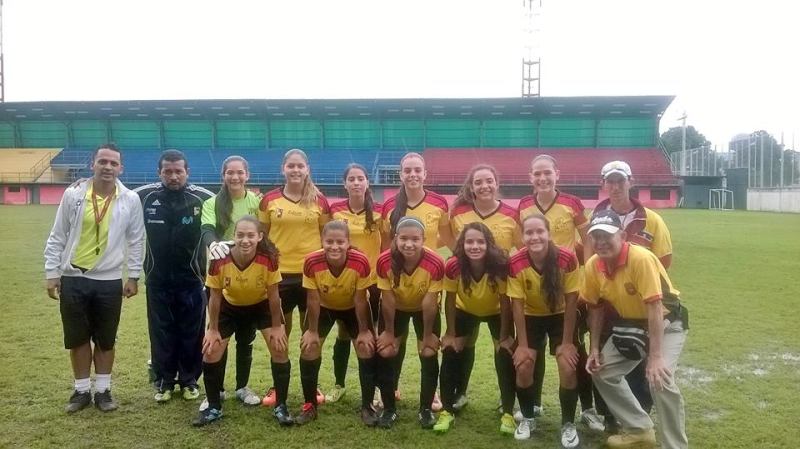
x,y
551,285
465,193
265,247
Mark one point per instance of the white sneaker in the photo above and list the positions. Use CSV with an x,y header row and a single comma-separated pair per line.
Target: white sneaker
x,y
524,429
538,410
248,396
518,414
204,404
569,436
461,401
593,420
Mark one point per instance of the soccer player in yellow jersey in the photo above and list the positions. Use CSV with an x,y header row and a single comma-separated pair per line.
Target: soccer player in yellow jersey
x,y
244,292
363,218
293,216
477,202
410,278
633,280
543,283
475,282
336,278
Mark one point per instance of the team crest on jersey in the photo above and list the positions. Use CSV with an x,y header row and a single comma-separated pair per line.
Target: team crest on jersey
x,y
260,282
325,289
630,288
196,210
227,282
430,219
528,284
278,212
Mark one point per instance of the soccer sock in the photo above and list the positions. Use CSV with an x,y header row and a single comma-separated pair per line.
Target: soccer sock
x,y
309,378
569,401
212,378
538,377
102,382
449,377
385,375
504,365
398,363
83,385
467,362
280,376
224,362
429,376
244,361
584,380
366,376
525,396
341,355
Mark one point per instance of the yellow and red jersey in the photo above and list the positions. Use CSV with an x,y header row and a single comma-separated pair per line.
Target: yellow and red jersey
x,y
337,292
412,288
432,211
566,215
482,298
525,282
243,286
502,222
367,241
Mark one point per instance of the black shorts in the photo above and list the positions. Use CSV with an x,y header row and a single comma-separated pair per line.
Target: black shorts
x,y
467,322
401,323
542,328
90,309
233,318
292,293
346,318
374,296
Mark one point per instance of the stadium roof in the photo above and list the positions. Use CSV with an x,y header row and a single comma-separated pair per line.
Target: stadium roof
x,y
330,109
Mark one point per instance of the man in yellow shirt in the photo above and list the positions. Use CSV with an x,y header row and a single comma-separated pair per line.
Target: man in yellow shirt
x,y
652,325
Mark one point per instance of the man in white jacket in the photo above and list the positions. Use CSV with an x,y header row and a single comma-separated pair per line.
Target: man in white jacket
x,y
98,229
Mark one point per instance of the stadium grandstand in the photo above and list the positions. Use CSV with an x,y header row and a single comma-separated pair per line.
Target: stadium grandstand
x,y
582,133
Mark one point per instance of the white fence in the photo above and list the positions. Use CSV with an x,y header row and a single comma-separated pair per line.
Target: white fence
x,y
774,200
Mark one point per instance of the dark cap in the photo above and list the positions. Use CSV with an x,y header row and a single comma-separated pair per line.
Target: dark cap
x,y
605,220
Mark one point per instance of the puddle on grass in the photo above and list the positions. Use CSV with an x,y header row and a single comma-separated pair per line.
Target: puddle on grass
x,y
694,377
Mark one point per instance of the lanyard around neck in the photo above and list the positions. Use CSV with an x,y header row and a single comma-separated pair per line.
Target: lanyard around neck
x,y
98,218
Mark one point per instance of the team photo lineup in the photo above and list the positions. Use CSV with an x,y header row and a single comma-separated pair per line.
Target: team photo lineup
x,y
590,291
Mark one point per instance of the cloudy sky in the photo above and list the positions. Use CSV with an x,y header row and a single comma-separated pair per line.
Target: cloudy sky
x,y
730,64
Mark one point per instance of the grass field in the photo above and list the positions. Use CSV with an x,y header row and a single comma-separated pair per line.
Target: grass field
x,y
740,370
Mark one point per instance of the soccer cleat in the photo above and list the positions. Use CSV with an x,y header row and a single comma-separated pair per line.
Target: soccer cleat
x,y
377,401
307,414
206,417
569,436
507,424
444,422
163,396
320,396
369,416
282,415
426,418
460,403
78,401
387,419
204,404
104,402
191,393
270,398
640,440
524,429
593,420
436,405
247,396
336,393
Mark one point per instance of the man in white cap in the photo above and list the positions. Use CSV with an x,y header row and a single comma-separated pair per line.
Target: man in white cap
x,y
651,327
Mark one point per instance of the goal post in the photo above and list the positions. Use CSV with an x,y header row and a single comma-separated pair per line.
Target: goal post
x,y
720,199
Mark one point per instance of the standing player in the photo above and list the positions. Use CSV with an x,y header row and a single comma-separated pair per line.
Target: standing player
x,y
543,284
475,282
477,202
244,294
220,214
336,278
293,216
635,283
410,278
98,229
363,218
175,267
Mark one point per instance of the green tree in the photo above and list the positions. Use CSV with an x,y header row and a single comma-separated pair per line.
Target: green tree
x,y
673,139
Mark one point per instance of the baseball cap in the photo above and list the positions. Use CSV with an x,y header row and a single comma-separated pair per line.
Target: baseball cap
x,y
616,167
605,220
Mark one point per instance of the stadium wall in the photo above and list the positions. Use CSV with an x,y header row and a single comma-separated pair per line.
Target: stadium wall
x,y
774,200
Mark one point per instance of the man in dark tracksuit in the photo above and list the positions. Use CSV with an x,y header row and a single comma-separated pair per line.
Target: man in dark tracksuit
x,y
175,269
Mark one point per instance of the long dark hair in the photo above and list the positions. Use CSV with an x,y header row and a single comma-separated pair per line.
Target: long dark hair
x,y
397,257
465,194
223,204
552,289
265,247
369,203
495,261
401,199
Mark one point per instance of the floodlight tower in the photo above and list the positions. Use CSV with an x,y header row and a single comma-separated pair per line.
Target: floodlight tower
x,y
531,59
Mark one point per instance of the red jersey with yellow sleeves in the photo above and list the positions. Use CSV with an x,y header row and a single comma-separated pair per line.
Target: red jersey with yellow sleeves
x,y
525,282
482,298
243,286
502,222
637,278
293,227
426,278
337,292
431,211
366,240
565,215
